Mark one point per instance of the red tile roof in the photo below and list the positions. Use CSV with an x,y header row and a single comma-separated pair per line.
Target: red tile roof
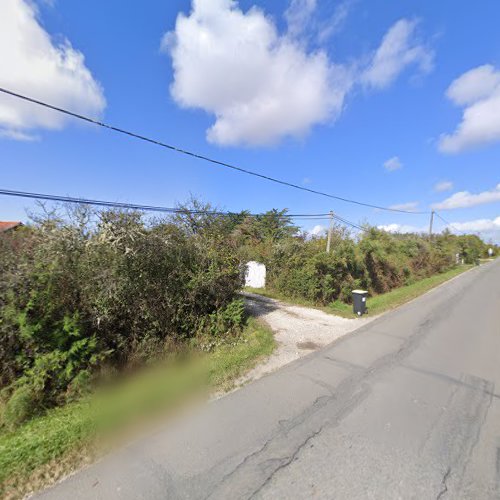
x,y
5,226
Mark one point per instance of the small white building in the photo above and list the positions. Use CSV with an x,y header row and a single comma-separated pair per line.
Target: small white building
x,y
255,275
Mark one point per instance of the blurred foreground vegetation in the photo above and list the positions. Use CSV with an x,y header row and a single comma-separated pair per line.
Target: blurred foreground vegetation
x,y
51,445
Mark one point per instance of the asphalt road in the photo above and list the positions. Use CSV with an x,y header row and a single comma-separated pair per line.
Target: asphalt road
x,y
405,407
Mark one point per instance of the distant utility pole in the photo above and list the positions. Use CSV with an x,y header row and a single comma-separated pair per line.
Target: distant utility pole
x,y
330,233
430,225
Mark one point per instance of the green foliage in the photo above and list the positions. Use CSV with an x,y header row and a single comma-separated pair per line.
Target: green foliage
x,y
223,321
377,261
58,433
23,404
257,237
94,291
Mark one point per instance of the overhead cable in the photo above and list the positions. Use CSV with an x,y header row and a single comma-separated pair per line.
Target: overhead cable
x,y
199,156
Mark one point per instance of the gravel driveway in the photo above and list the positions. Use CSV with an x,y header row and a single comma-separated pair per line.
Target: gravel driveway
x,y
297,330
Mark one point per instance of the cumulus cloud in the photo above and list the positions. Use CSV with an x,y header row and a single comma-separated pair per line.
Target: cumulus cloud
x,y
399,49
18,135
487,228
305,21
477,226
260,85
334,23
478,92
318,230
474,85
393,164
32,64
401,228
299,14
464,199
411,206
443,186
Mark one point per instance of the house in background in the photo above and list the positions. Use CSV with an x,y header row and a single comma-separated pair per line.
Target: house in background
x,y
9,226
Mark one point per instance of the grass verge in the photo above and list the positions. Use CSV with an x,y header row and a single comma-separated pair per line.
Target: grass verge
x,y
44,449
378,303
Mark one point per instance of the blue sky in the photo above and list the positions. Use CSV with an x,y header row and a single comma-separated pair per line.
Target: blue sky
x,y
322,94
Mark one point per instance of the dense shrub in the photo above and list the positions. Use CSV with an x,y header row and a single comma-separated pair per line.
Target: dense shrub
x,y
376,260
105,290
300,268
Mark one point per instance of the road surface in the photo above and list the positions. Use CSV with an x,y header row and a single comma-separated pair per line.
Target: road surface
x,y
406,407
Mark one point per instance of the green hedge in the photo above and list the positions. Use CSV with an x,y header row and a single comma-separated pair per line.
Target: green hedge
x,y
376,261
91,293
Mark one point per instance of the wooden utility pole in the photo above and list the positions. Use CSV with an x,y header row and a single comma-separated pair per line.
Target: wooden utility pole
x,y
330,233
430,225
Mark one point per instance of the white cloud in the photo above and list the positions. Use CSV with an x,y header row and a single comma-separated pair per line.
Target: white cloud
x,y
478,91
399,49
393,163
299,14
401,228
411,206
18,135
464,199
476,84
477,226
487,228
307,22
318,230
443,186
31,64
334,24
261,86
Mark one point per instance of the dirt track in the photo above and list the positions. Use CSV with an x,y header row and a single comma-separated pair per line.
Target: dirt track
x,y
297,330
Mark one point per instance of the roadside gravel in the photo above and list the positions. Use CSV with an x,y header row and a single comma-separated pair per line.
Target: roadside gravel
x,y
298,330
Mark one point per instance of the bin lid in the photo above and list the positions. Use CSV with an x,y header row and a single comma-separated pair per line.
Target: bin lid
x,y
359,291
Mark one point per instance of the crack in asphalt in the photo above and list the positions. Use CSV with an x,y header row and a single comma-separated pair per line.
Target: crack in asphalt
x,y
337,404
328,387
483,390
444,484
286,426
346,397
246,459
263,460
285,462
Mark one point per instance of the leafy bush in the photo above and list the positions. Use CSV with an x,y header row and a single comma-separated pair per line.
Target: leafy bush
x,y
23,404
96,291
376,260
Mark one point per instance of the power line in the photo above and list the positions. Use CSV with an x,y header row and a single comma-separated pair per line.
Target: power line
x,y
198,156
150,208
345,222
449,224
135,206
154,208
